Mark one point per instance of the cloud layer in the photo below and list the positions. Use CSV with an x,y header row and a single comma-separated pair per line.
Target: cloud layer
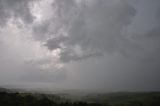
x,y
80,43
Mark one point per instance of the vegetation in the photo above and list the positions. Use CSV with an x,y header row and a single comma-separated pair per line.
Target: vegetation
x,y
126,98
26,99
10,98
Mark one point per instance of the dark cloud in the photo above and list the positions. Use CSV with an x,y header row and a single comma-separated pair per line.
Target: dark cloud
x,y
40,31
55,43
15,8
153,33
68,55
65,10
96,27
92,44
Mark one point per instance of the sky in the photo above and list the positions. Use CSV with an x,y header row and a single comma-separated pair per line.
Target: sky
x,y
96,45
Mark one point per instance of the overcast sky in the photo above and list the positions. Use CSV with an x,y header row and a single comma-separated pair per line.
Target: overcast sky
x,y
102,45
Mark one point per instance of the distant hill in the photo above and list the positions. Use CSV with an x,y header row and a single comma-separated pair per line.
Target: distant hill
x,y
9,97
126,98
34,99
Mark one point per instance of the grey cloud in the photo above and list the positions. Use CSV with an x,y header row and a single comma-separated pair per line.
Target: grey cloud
x,y
98,27
65,10
109,28
56,42
153,33
142,34
143,47
39,62
101,25
151,45
157,15
15,8
115,73
41,76
41,31
16,71
123,33
106,32
68,55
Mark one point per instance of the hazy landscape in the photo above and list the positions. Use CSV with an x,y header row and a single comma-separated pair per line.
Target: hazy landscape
x,y
10,97
79,52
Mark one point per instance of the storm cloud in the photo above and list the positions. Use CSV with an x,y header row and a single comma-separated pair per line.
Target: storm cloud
x,y
105,45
